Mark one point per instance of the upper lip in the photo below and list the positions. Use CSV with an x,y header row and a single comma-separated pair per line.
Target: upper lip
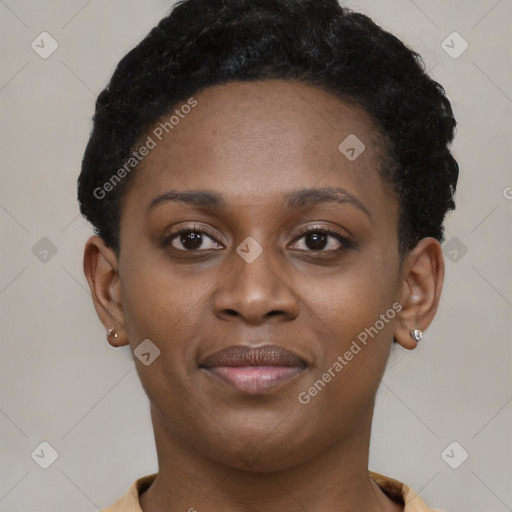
x,y
263,355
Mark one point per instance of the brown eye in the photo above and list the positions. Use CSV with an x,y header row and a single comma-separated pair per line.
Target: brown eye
x,y
191,240
321,240
316,241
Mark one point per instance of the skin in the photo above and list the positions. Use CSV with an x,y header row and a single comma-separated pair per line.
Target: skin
x,y
219,448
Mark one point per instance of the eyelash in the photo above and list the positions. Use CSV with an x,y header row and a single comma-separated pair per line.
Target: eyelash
x,y
192,229
345,242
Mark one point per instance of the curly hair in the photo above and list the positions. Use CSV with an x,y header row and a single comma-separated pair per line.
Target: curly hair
x,y
209,42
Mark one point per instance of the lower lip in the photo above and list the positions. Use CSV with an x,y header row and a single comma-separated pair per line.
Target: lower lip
x,y
256,379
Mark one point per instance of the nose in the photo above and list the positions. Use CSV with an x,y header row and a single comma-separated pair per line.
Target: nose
x,y
255,292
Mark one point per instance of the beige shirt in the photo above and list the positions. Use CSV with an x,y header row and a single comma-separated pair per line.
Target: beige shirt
x,y
396,490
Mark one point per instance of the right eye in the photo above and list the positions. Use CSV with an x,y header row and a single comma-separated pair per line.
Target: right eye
x,y
192,239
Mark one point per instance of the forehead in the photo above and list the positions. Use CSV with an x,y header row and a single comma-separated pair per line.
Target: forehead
x,y
255,141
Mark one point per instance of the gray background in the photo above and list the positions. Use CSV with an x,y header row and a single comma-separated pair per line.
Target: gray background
x,y
63,384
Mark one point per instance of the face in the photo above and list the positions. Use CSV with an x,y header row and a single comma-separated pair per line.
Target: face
x,y
286,264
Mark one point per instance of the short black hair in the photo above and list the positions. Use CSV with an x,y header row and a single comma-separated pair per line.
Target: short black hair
x,y
210,42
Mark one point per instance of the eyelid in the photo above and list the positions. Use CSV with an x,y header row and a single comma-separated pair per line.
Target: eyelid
x,y
326,229
193,228
320,227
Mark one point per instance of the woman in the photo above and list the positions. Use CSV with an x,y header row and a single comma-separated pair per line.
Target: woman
x,y
267,180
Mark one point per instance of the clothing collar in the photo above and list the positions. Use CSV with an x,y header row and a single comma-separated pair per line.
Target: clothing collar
x,y
397,491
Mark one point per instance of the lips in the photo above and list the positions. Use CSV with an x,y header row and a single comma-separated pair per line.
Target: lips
x,y
254,370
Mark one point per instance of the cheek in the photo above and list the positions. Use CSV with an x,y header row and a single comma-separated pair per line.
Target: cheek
x,y
158,307
354,317
353,298
357,330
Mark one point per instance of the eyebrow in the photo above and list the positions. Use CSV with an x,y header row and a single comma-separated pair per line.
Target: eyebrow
x,y
312,196
296,199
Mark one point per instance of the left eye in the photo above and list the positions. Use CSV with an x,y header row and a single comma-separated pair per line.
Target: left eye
x,y
322,240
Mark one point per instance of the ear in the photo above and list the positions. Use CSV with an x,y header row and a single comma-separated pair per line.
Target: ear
x,y
422,280
101,271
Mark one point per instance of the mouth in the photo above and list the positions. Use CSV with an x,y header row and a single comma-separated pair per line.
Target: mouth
x,y
254,370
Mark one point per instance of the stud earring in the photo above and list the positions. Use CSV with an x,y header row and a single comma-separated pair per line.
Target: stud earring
x,y
111,331
417,335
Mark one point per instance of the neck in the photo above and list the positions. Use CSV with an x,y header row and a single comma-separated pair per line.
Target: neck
x,y
333,480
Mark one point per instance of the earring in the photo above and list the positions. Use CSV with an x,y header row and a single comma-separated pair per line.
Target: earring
x,y
417,335
110,331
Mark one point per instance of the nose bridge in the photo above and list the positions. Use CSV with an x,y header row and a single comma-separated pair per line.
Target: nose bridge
x,y
255,286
